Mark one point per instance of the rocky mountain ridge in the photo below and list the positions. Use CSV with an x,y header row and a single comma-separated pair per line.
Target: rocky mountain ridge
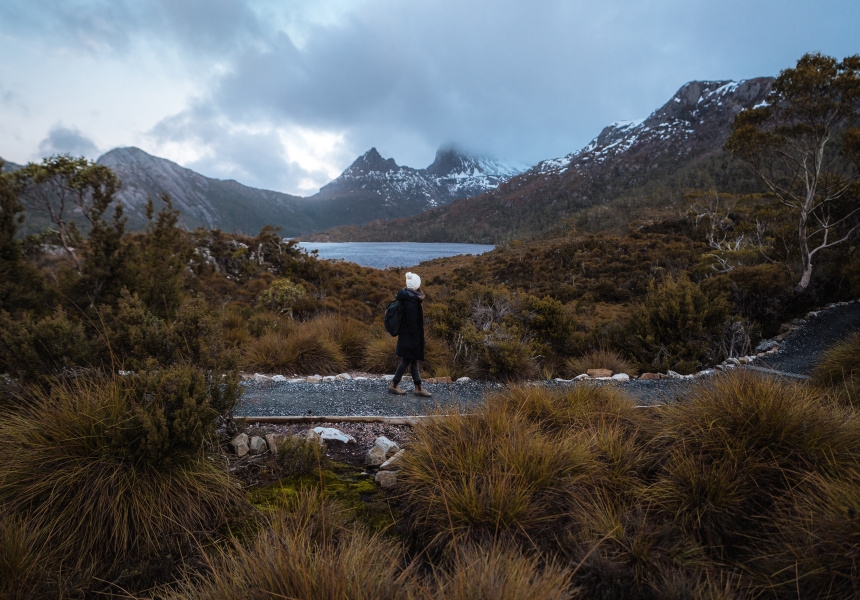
x,y
626,160
369,189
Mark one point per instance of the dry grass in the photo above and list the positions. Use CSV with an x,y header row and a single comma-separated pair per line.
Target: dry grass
x,y
105,507
307,350
309,550
839,370
600,359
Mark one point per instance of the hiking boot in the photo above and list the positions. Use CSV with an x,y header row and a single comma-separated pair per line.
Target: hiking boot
x,y
395,389
420,391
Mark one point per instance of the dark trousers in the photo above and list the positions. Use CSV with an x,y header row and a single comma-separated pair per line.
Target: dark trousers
x,y
412,365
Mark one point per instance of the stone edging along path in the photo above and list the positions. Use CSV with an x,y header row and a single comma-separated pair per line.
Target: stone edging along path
x,y
363,397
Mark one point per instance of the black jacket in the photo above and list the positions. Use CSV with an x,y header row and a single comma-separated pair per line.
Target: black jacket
x,y
410,342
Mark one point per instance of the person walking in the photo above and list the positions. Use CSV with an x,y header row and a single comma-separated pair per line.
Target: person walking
x,y
410,342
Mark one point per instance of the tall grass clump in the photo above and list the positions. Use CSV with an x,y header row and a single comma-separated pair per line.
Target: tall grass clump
x,y
737,445
116,471
350,335
601,358
839,370
306,350
308,550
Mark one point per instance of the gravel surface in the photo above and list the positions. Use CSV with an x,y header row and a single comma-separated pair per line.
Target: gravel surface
x,y
370,397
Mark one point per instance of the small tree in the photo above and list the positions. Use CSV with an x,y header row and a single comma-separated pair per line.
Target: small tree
x,y
64,188
805,145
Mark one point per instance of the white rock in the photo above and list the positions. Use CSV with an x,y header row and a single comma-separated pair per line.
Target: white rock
x,y
278,378
257,445
387,377
329,433
240,444
260,377
560,380
312,436
329,378
344,376
314,379
581,377
621,377
359,378
733,361
380,451
395,462
674,375
463,380
298,380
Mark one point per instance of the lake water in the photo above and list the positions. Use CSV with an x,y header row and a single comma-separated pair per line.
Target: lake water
x,y
380,255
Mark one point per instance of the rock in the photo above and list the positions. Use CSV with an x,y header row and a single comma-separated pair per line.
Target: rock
x,y
240,444
344,377
387,377
443,380
260,377
463,380
331,434
312,436
813,313
430,380
706,373
766,345
599,373
380,451
674,375
393,463
278,378
273,440
621,377
359,379
314,379
560,380
733,361
297,380
649,376
744,360
580,377
386,479
257,445
329,378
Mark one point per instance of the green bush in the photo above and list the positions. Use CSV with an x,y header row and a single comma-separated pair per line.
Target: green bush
x,y
297,456
677,327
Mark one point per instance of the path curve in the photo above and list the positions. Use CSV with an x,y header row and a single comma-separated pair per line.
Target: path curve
x,y
797,356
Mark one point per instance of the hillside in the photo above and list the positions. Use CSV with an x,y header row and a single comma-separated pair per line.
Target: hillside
x,y
371,188
632,171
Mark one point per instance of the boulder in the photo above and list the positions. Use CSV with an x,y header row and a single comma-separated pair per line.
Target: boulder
x,y
430,380
298,380
387,377
257,445
240,444
279,378
394,463
343,377
443,380
329,378
386,479
649,376
260,377
314,379
329,434
463,380
621,377
380,451
599,373
273,440
674,375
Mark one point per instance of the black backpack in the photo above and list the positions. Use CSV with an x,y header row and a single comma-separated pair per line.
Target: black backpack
x,y
393,318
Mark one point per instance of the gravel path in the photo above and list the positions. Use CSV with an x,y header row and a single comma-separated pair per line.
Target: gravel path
x,y
369,397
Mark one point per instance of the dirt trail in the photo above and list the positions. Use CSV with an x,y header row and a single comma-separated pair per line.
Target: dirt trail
x,y
797,355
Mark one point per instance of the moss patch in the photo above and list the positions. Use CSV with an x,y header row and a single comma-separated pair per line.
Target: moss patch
x,y
341,482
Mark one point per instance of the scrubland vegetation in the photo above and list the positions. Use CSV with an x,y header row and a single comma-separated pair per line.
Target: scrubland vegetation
x,y
120,355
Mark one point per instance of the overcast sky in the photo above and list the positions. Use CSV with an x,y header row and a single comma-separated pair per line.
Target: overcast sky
x,y
285,94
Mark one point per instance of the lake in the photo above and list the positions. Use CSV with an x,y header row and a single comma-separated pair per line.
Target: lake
x,y
380,255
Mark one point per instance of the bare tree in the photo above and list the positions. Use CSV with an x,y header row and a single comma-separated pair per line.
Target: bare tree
x,y
804,144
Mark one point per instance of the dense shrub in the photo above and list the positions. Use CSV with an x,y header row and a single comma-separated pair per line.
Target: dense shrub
x,y
838,370
677,326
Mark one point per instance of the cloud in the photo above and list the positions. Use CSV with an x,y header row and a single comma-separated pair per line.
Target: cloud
x,y
63,140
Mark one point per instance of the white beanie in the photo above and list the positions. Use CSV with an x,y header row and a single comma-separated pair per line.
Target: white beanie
x,y
413,282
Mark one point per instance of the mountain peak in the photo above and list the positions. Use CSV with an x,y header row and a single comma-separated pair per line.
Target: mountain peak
x,y
372,161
